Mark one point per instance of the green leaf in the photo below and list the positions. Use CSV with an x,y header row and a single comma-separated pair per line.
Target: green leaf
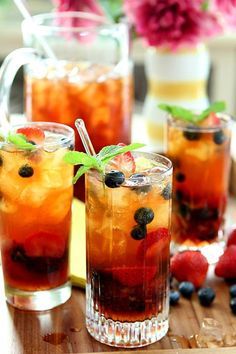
x,y
216,107
80,158
118,150
80,172
113,8
20,141
190,116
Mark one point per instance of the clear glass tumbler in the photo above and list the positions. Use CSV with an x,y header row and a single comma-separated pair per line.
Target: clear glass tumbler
x,y
127,294
35,218
201,159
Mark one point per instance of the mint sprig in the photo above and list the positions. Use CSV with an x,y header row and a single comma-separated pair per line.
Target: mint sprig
x,y
99,161
20,141
190,116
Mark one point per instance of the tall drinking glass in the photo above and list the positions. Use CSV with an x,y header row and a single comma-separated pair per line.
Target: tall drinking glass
x,y
35,218
89,77
127,298
201,159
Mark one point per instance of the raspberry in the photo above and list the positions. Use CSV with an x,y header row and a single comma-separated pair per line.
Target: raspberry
x,y
33,134
226,266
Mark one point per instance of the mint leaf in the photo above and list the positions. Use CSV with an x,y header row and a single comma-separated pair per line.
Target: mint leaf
x,y
205,5
80,158
99,161
80,172
216,107
20,141
191,116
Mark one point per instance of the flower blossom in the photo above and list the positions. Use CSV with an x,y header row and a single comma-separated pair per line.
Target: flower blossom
x,y
227,8
172,23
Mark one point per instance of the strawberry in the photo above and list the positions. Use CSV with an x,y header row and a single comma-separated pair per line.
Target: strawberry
x,y
189,266
232,237
134,276
125,161
33,134
153,244
226,266
212,120
44,244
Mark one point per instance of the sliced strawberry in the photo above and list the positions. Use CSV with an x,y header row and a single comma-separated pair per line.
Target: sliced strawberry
x,y
226,266
189,266
45,244
125,162
212,120
134,276
153,244
33,134
232,237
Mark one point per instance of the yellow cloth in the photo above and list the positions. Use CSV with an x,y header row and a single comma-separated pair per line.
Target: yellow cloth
x,y
78,244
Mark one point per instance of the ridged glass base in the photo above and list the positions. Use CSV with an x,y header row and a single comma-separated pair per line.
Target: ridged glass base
x,y
127,334
38,300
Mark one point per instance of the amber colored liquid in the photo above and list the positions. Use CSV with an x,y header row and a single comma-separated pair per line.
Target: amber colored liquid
x,y
35,216
102,99
200,186
127,279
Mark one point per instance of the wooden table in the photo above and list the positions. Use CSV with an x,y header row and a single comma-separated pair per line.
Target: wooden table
x,y
62,330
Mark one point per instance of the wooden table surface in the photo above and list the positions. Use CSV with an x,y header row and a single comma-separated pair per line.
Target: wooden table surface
x,y
62,330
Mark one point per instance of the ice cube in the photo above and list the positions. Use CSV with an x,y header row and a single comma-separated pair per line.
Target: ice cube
x,y
211,334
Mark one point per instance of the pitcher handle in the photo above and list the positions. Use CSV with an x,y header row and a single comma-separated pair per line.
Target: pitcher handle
x,y
8,70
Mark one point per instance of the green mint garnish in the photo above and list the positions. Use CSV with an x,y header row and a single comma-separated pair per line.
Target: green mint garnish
x,y
190,116
20,141
99,161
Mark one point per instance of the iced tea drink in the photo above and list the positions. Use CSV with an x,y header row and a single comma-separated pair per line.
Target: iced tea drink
x,y
35,215
201,159
128,251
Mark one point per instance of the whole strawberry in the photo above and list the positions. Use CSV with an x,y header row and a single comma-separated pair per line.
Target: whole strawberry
x,y
232,237
226,266
189,266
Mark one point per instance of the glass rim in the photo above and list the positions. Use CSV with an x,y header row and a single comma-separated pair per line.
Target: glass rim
x,y
153,176
99,22
226,121
68,138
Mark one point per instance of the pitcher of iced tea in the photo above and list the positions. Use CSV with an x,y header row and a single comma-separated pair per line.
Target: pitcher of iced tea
x,y
87,75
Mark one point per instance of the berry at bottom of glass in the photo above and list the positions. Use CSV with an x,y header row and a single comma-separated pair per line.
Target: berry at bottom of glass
x,y
201,159
35,215
127,297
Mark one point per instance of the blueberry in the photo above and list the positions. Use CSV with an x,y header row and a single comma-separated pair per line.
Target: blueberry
x,y
232,291
114,179
233,305
139,232
180,177
26,171
191,135
178,195
219,137
184,210
174,297
206,296
166,192
144,216
1,161
186,288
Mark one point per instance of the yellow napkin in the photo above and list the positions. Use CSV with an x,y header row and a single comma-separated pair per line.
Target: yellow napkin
x,y
78,244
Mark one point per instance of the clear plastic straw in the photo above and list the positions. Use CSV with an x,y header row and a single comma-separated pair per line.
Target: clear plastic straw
x,y
25,13
88,146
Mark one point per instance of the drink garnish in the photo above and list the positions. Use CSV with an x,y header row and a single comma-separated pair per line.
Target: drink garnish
x,y
98,161
190,116
20,141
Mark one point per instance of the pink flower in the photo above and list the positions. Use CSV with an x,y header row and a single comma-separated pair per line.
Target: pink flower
x,y
228,9
171,23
